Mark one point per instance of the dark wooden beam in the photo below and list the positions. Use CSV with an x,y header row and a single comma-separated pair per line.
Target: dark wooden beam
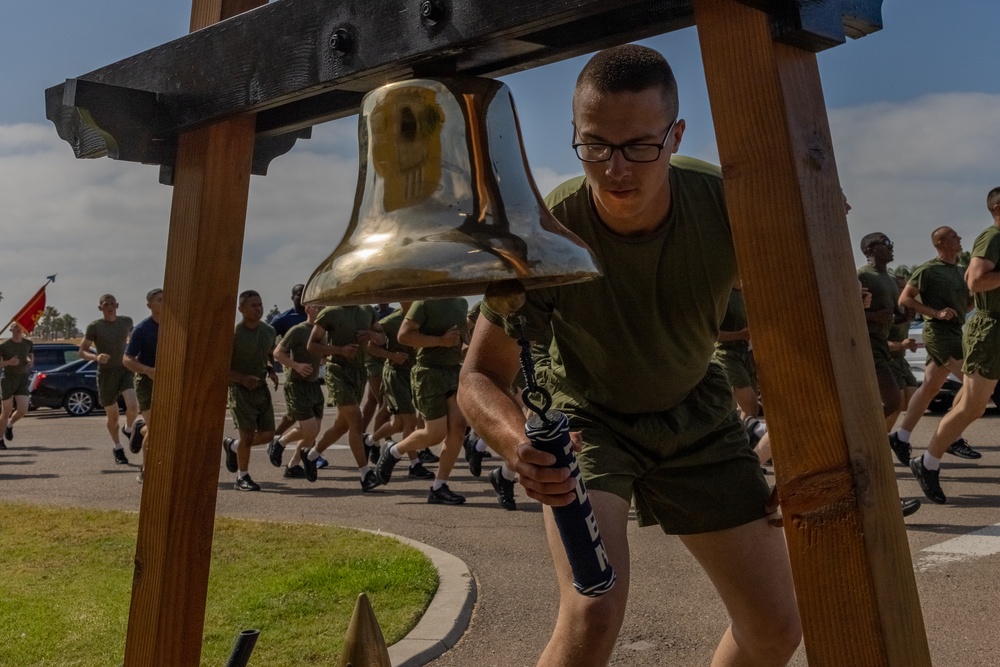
x,y
297,63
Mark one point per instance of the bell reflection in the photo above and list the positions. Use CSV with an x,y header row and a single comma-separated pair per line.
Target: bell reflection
x,y
445,204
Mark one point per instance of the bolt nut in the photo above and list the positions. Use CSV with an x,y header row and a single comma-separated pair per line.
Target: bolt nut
x,y
340,41
432,11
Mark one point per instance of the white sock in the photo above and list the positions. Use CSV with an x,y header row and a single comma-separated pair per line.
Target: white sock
x,y
234,445
480,445
312,454
507,473
760,430
364,471
438,483
394,450
931,462
242,473
118,445
414,462
904,435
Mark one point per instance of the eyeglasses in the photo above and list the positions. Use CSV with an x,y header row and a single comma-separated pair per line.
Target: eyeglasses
x,y
631,152
886,242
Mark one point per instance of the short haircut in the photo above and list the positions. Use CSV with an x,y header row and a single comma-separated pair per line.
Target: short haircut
x,y
993,198
105,298
630,68
938,233
248,294
298,288
151,294
868,240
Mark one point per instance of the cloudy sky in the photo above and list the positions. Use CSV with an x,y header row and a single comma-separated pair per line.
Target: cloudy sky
x,y
914,111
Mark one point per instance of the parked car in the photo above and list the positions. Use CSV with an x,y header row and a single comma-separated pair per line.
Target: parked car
x,y
72,387
53,355
941,403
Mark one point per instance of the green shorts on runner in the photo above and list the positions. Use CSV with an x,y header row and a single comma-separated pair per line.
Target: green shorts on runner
x,y
738,364
981,343
14,384
373,366
942,346
432,387
112,381
396,387
346,384
304,400
880,353
251,408
690,469
144,391
901,371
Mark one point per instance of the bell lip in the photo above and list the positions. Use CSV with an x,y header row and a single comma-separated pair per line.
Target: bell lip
x,y
331,297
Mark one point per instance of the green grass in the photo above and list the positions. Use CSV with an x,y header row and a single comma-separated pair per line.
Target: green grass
x,y
66,576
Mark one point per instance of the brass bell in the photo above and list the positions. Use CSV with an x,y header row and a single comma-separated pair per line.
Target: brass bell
x,y
445,203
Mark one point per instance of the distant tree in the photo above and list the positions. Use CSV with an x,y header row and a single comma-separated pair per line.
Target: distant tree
x,y
66,326
902,270
47,324
965,258
271,314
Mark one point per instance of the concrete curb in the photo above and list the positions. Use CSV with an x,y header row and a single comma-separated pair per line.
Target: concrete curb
x,y
448,615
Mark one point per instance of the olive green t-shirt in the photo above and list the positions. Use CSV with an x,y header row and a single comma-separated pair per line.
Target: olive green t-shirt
x,y
735,319
435,317
898,333
885,294
296,343
987,246
342,324
110,338
9,349
252,349
640,338
390,325
942,285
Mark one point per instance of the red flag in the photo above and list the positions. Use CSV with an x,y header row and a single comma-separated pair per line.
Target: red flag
x,y
28,316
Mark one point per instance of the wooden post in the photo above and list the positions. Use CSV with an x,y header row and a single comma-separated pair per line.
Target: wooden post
x,y
177,513
850,558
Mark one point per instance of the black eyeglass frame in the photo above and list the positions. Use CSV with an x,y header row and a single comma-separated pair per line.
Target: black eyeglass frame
x,y
624,147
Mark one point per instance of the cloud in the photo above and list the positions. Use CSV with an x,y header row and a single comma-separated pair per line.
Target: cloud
x,y
910,167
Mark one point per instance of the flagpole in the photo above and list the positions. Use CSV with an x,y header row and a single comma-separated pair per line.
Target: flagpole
x,y
51,279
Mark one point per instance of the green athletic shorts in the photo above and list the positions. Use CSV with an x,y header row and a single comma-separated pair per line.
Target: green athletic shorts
x,y
144,391
690,469
738,364
432,387
880,353
373,366
396,387
901,371
346,384
14,384
942,344
251,408
112,381
304,400
981,342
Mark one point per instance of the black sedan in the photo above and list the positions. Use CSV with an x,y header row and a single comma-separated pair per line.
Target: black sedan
x,y
72,387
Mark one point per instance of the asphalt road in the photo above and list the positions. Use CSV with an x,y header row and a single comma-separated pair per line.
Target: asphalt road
x,y
673,617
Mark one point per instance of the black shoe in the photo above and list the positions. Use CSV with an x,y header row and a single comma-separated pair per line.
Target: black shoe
x,y
369,445
227,449
274,451
386,462
374,454
295,472
427,456
444,496
120,457
321,463
138,477
9,432
418,471
963,450
475,460
309,466
928,479
750,425
909,506
2,445
504,489
244,483
900,449
136,438
370,481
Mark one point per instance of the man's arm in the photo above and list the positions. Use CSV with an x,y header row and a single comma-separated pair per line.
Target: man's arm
x,y
489,368
982,275
382,353
730,336
138,367
908,300
409,334
320,349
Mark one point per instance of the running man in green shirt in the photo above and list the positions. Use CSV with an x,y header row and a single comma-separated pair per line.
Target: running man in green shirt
x,y
109,336
16,359
249,398
981,345
630,366
881,315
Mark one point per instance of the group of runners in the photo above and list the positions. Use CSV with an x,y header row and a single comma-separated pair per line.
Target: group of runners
x,y
627,358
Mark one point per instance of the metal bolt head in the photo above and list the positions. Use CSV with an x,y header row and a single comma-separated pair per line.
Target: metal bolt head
x,y
340,41
432,11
